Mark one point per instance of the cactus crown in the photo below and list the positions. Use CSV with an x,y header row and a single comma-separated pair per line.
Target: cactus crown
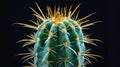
x,y
59,39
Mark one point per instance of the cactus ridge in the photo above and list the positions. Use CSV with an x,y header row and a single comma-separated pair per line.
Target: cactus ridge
x,y
59,40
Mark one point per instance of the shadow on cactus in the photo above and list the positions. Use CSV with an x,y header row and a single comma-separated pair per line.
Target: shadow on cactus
x,y
58,40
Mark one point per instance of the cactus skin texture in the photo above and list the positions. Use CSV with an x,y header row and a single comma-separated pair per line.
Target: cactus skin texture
x,y
58,40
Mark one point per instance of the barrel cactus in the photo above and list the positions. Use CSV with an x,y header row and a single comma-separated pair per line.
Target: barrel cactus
x,y
58,40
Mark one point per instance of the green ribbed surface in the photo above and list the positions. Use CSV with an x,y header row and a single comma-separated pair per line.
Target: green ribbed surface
x,y
59,45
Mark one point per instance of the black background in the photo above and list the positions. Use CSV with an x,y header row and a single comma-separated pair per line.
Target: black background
x,y
12,11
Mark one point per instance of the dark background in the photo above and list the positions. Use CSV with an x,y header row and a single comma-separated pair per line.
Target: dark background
x,y
12,11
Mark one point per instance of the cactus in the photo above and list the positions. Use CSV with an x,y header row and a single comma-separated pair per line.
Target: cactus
x,y
58,40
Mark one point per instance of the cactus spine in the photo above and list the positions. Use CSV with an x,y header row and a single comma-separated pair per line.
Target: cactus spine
x,y
58,40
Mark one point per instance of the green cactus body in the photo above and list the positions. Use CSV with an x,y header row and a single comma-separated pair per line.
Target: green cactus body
x,y
63,45
58,41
